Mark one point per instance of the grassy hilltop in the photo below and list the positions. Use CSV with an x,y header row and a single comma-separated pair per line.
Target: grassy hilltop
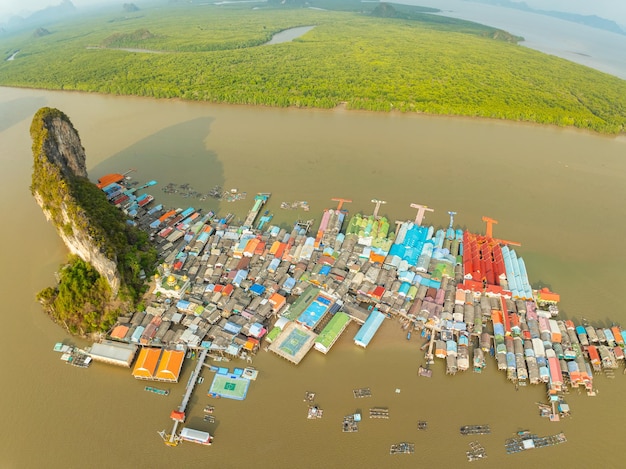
x,y
368,56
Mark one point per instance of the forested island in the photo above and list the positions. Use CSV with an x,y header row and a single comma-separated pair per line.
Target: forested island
x,y
103,277
367,56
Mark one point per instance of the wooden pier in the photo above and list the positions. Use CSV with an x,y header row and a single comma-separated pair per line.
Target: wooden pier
x,y
179,416
259,202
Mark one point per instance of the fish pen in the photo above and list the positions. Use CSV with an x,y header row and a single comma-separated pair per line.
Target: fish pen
x,y
526,440
476,452
475,430
350,424
379,413
362,392
402,448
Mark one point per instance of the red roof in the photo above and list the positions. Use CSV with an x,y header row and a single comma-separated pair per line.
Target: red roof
x,y
378,292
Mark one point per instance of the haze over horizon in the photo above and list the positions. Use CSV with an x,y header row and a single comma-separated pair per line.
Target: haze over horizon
x,y
607,9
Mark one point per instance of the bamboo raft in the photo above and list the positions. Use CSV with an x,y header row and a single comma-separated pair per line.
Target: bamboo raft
x,y
475,430
362,392
379,413
402,448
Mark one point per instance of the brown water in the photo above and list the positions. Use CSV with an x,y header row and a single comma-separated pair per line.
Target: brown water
x,y
559,192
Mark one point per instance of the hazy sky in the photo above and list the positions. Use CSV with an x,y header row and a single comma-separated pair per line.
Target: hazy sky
x,y
610,9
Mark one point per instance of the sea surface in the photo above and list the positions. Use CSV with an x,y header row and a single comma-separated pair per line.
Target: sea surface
x,y
592,47
559,192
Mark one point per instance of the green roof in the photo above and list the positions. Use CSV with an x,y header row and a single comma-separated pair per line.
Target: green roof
x,y
273,334
302,303
335,327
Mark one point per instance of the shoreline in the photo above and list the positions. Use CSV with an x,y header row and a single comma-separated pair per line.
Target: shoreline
x,y
341,107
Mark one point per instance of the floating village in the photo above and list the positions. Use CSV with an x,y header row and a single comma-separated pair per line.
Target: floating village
x,y
226,291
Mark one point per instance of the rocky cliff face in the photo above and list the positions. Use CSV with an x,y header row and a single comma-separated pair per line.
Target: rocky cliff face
x,y
58,164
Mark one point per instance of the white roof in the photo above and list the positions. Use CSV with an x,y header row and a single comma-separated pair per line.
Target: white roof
x,y
113,351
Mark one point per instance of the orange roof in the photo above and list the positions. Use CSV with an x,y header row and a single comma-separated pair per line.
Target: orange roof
x,y
251,246
146,363
177,415
546,295
228,289
377,258
166,215
277,299
260,248
170,365
109,179
119,332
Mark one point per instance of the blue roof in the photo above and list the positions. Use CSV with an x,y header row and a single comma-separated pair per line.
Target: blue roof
x,y
257,289
369,328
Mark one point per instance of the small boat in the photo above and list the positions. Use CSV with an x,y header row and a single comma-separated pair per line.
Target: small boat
x,y
408,335
209,418
160,392
209,409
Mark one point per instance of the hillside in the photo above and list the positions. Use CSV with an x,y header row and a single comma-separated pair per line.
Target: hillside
x,y
102,276
407,61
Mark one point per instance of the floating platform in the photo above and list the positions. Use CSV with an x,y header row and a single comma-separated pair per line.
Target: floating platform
x,y
402,448
526,440
425,372
315,412
362,392
475,430
250,373
379,413
350,424
229,387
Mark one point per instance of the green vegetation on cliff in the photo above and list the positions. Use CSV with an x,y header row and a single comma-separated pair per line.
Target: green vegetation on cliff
x,y
83,300
411,62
